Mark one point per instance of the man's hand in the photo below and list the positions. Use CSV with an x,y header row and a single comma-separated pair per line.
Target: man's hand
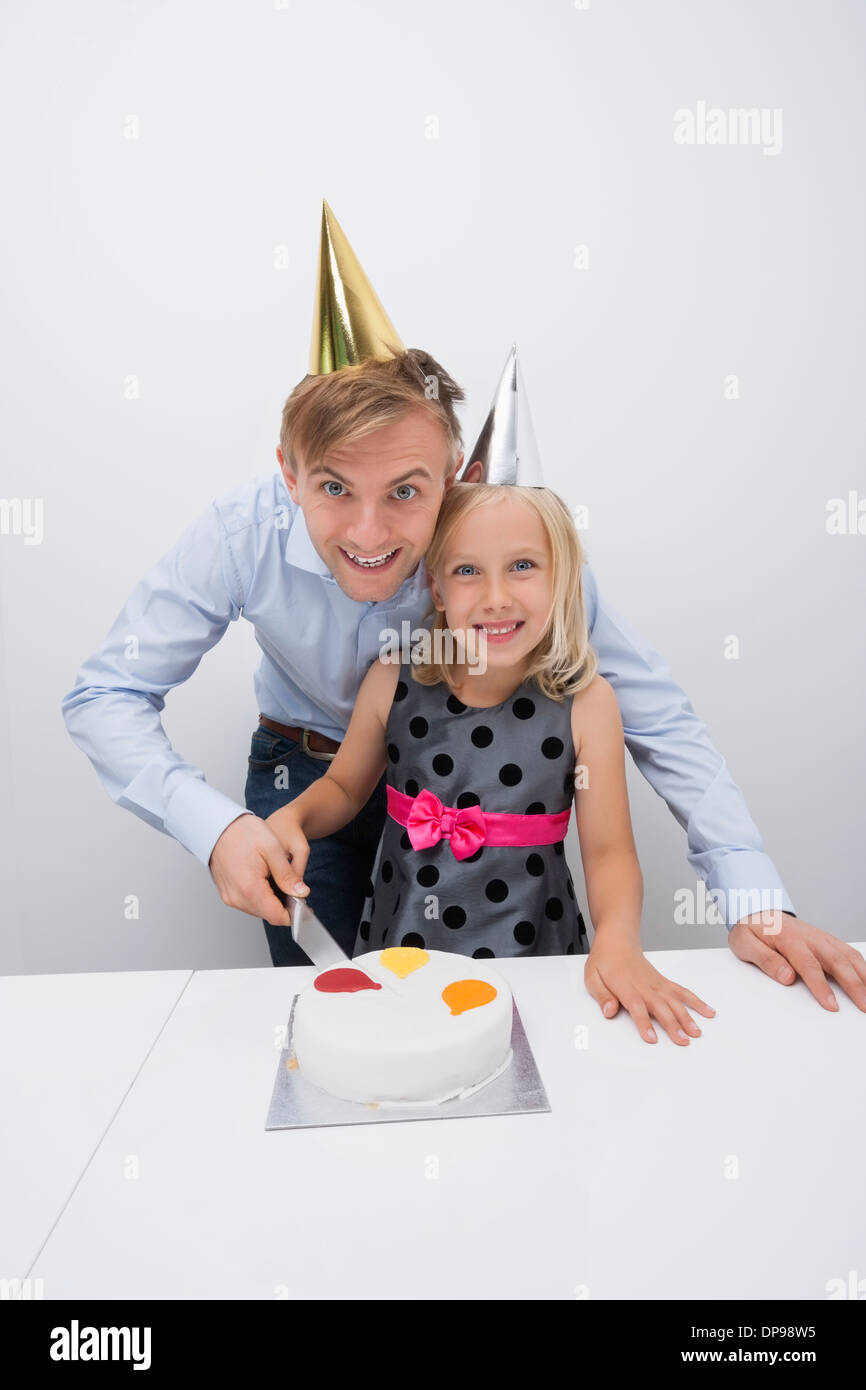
x,y
785,947
244,855
621,974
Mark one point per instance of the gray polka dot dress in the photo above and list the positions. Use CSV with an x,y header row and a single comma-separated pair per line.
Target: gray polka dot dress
x,y
516,757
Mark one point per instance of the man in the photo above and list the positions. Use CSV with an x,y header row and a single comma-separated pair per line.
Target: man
x,y
321,557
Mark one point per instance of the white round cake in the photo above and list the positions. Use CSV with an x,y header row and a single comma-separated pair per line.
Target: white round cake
x,y
403,1026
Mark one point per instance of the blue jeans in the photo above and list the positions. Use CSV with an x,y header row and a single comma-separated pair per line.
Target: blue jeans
x,y
339,867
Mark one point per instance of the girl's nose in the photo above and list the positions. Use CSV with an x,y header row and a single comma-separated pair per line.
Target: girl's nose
x,y
497,595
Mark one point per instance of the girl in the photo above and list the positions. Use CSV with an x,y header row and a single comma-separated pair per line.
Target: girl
x,y
484,736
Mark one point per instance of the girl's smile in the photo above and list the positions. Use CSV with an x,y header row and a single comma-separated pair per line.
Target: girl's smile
x,y
501,633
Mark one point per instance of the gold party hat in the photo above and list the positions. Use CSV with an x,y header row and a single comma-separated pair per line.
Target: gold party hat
x,y
349,323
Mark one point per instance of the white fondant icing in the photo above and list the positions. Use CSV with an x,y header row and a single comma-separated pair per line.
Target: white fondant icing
x,y
402,1044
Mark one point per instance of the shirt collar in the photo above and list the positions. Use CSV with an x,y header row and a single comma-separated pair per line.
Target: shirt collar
x,y
300,550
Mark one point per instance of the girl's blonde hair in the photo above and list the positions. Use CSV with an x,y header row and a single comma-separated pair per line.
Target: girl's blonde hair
x,y
563,662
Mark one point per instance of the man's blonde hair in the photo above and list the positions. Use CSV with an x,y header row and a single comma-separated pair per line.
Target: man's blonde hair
x,y
563,662
326,411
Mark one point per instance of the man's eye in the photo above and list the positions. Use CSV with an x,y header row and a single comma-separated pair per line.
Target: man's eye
x,y
332,483
527,563
404,492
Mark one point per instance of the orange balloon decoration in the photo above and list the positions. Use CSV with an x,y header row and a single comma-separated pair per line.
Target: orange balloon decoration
x,y
467,994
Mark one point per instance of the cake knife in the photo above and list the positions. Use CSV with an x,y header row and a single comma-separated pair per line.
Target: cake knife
x,y
309,932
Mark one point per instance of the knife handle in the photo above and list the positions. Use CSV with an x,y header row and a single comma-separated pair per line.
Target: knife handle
x,y
281,897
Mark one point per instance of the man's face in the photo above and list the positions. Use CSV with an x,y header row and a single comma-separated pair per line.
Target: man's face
x,y
371,505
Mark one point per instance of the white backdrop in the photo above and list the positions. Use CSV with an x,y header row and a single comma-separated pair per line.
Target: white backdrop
x,y
505,170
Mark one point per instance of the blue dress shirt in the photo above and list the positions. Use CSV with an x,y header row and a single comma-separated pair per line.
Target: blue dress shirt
x,y
250,554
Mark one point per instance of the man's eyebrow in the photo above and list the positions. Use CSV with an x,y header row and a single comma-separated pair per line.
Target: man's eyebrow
x,y
418,471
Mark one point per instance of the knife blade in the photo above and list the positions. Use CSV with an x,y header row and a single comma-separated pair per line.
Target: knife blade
x,y
311,935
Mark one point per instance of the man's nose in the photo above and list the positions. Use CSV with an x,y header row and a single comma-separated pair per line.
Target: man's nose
x,y
369,528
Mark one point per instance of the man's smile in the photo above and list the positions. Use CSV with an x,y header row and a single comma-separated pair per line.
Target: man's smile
x,y
367,562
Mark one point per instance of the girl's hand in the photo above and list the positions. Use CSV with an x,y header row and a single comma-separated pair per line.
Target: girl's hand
x,y
621,974
287,828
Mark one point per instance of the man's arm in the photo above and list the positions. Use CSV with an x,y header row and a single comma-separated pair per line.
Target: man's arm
x,y
174,615
671,747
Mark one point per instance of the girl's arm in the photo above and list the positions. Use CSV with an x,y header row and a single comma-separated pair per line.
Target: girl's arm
x,y
351,778
614,884
617,972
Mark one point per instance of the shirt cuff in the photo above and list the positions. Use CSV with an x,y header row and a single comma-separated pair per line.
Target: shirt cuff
x,y
197,815
747,881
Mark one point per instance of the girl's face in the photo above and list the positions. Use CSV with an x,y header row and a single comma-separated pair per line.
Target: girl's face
x,y
495,576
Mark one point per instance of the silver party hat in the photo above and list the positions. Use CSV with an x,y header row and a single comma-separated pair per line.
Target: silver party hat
x,y
506,445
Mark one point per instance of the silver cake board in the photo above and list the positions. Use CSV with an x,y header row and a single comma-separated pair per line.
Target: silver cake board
x,y
297,1104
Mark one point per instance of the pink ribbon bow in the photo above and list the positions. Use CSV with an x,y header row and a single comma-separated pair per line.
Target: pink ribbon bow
x,y
429,822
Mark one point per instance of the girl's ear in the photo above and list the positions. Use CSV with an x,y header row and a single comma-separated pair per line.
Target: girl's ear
x,y
435,592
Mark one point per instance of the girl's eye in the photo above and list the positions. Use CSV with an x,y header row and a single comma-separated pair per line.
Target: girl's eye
x,y
404,492
463,569
527,563
332,483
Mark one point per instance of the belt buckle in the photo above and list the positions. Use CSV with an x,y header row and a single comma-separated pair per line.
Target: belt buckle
x,y
311,753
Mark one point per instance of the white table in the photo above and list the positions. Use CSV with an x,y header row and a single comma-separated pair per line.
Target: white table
x,y
70,1046
732,1168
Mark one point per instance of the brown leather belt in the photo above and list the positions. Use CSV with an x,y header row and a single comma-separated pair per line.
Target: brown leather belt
x,y
315,744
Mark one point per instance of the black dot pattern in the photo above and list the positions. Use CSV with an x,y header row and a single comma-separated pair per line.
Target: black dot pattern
x,y
517,757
